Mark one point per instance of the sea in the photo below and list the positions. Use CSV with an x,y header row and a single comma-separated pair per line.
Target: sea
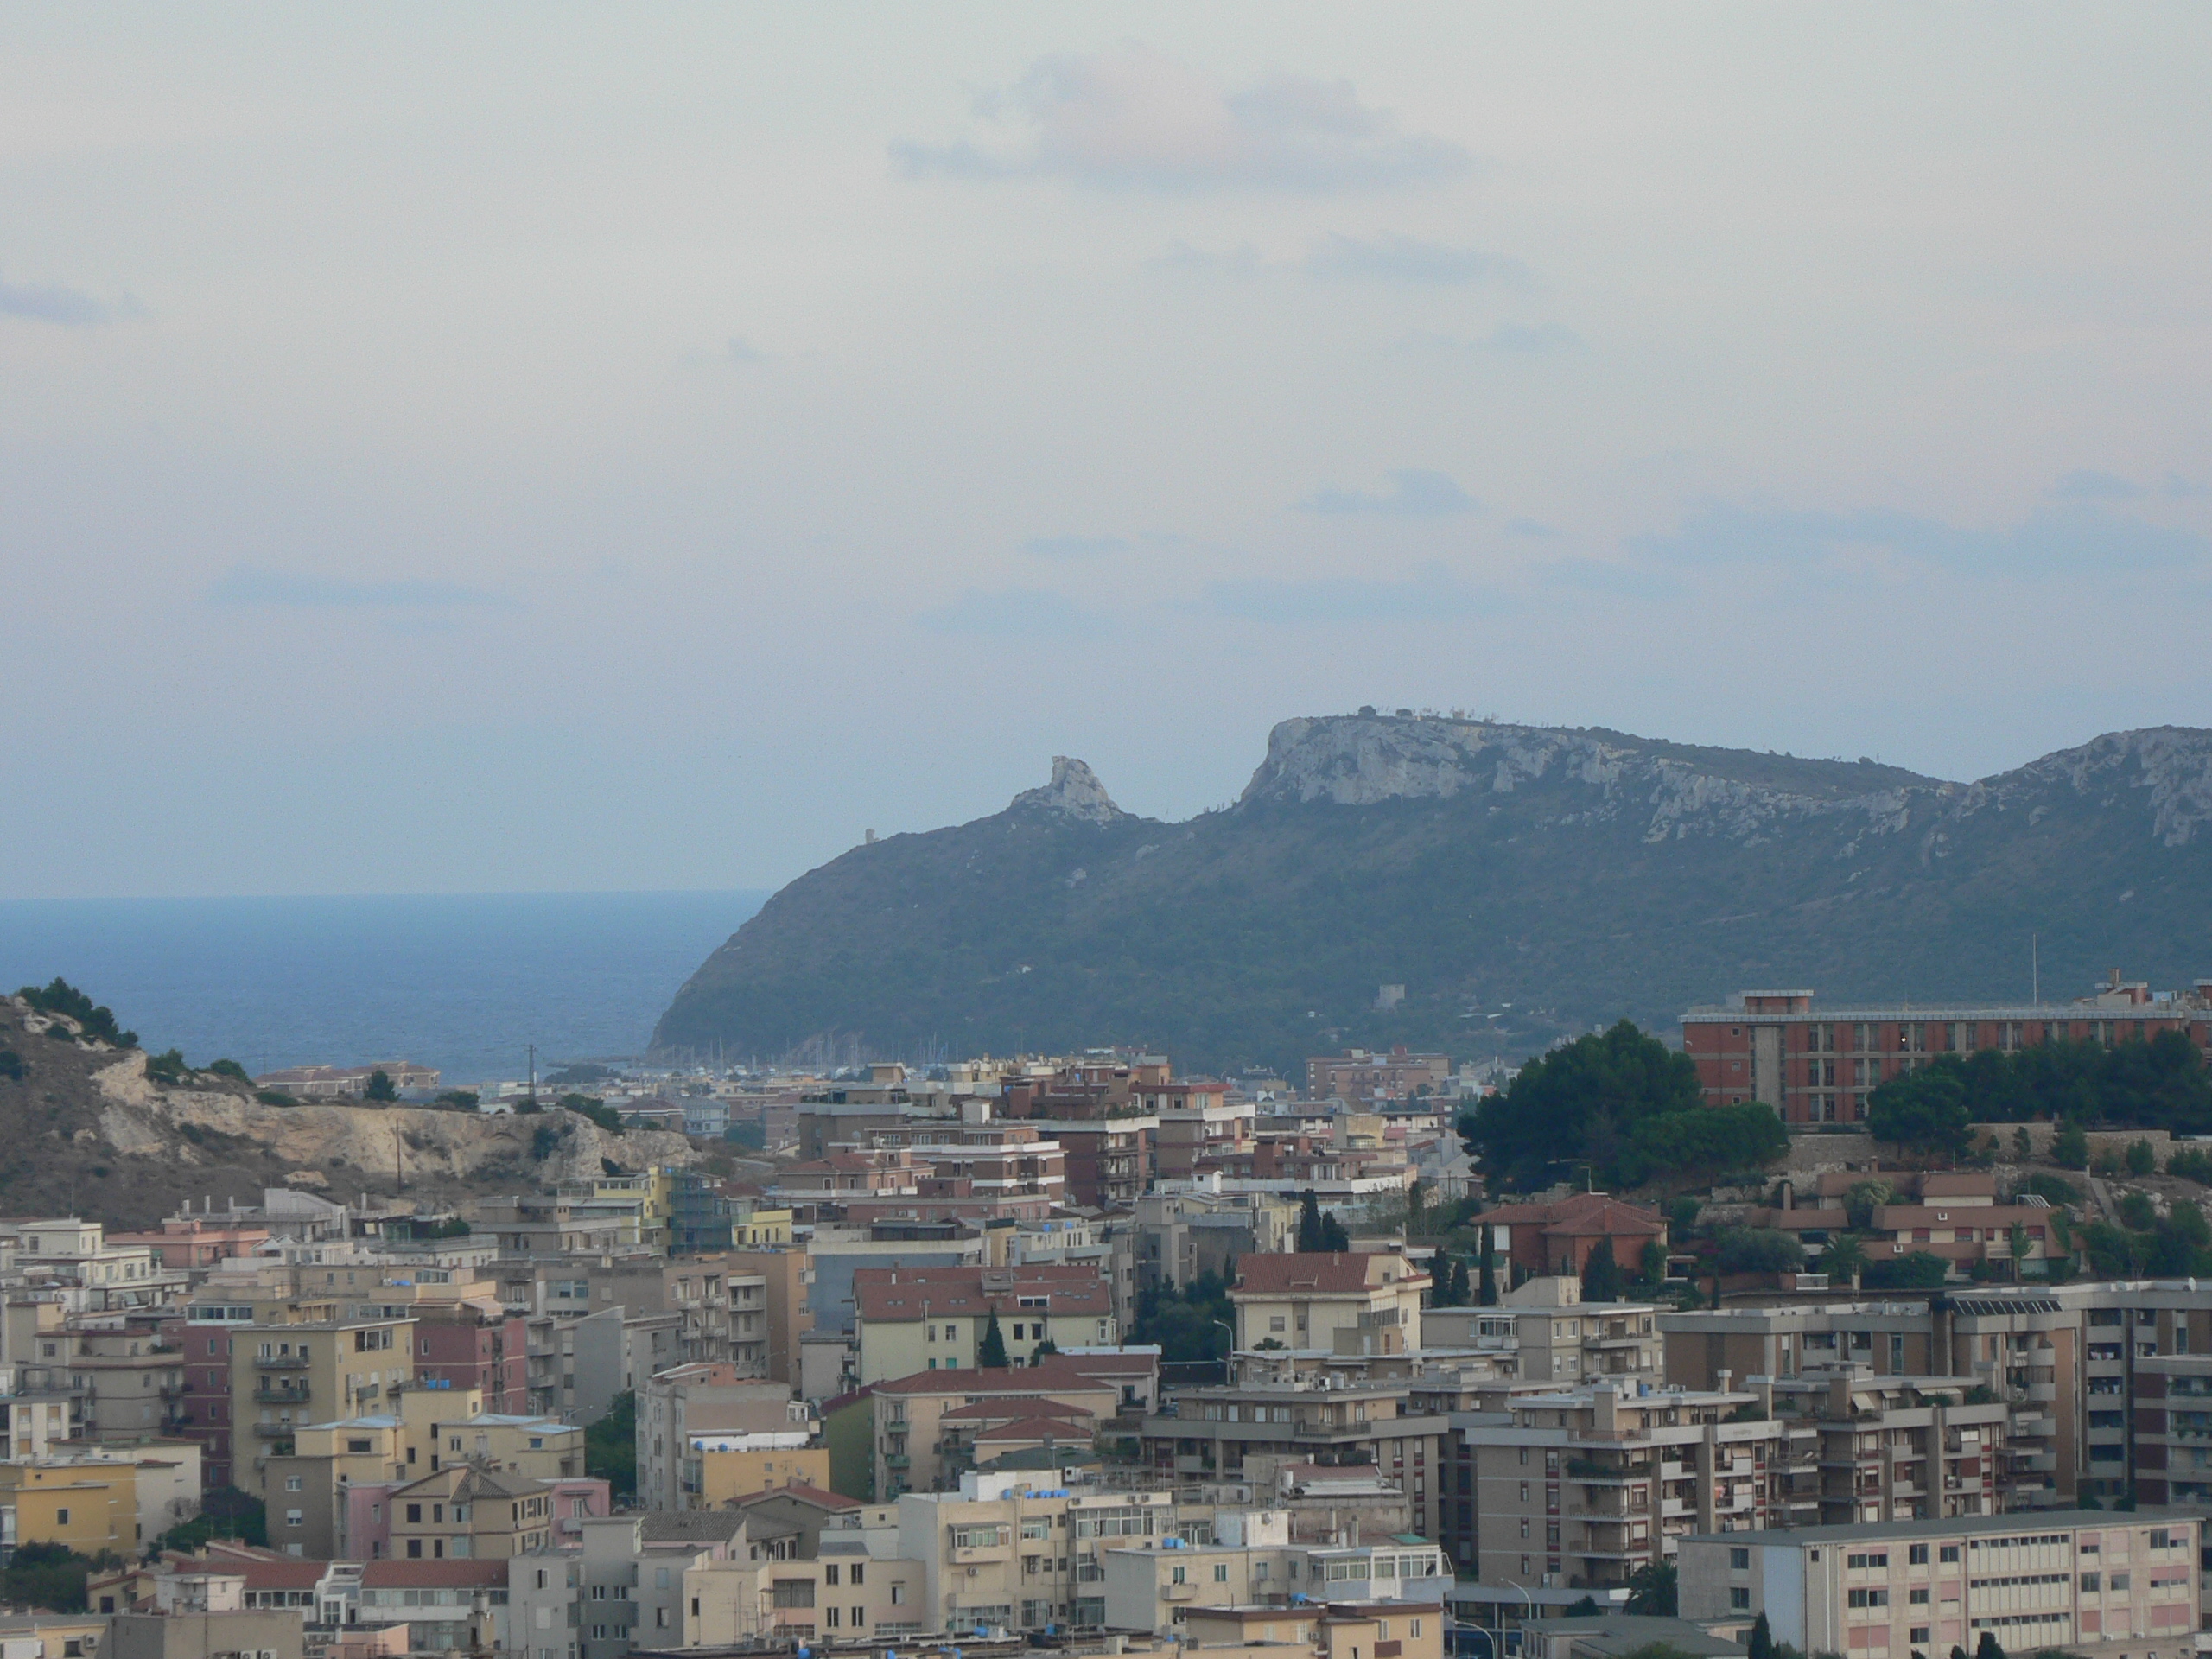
x,y
464,982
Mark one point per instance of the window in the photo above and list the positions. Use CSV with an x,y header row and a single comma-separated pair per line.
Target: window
x,y
831,1616
2090,1584
860,1617
61,1517
1177,1575
1740,1599
359,1445
294,1518
2117,1583
1917,1598
1221,1573
1739,1560
1947,1553
414,1513
1870,1598
1920,1634
859,1568
829,1573
292,1483
414,1549
1916,1554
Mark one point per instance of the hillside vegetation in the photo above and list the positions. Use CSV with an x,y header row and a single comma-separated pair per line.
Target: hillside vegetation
x,y
1522,883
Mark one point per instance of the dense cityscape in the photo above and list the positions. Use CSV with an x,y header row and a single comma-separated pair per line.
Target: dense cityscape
x,y
1070,1348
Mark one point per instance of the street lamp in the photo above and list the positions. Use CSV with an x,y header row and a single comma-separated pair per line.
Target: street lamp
x,y
1530,1618
1228,1361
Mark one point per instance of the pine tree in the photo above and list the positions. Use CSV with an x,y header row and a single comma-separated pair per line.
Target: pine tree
x,y
990,1354
1489,1297
1601,1274
1761,1645
1311,1237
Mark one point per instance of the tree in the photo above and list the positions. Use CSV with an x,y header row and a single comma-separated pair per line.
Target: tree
x,y
1585,1608
1761,1645
1987,1648
95,1022
1759,1249
1921,1270
1582,1101
2016,1240
1043,1350
1651,1591
1334,1236
1417,1207
1844,1259
2069,1147
1651,1265
1601,1274
611,1446
1488,1295
1863,1198
1186,1323
1924,1111
380,1087
991,1353
1708,1142
230,1069
2141,1160
1309,1234
597,1110
1462,1292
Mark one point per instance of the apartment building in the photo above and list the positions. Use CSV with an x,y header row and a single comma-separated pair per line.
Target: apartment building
x,y
1583,1486
311,1367
803,1583
1201,1127
1951,1214
1344,1304
1281,1415
686,1412
1108,1137
1333,1630
1360,1074
929,1428
1818,1065
910,1319
2090,1582
1900,1448
1200,1228
1544,1331
1000,1552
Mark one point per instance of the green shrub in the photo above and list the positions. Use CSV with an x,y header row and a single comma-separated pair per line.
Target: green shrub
x,y
2141,1160
2069,1146
1921,1270
2137,1211
63,998
2191,1164
167,1066
1759,1249
11,1065
230,1069
274,1097
2056,1189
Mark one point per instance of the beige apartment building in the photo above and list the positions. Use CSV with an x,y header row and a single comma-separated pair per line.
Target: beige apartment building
x,y
1544,1331
1269,1419
464,1513
999,1553
687,1412
317,1369
926,1426
1341,1304
830,1591
1583,1486
910,1319
2089,1582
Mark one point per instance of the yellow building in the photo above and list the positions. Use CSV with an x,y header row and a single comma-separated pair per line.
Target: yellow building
x,y
725,1477
85,1506
287,1376
751,1228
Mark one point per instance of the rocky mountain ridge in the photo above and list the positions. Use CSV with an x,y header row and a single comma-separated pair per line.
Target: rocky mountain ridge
x,y
1519,881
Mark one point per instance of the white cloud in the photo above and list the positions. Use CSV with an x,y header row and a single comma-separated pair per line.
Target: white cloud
x,y
1132,117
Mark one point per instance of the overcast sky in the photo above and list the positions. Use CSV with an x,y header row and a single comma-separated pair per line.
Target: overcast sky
x,y
540,447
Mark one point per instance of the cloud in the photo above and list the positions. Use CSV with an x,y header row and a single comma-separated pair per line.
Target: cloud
x,y
1393,257
247,584
1132,118
1414,493
1432,594
2072,540
1011,611
67,306
2088,485
1073,547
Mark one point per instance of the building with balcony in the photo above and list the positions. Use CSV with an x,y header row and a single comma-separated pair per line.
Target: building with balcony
x,y
910,1319
929,1428
1544,1331
2090,1582
1347,1303
1584,1487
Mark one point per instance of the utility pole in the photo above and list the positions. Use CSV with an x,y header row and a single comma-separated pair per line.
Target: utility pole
x,y
533,1074
2035,970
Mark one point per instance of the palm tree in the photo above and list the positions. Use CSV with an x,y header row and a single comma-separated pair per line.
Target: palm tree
x,y
1845,1258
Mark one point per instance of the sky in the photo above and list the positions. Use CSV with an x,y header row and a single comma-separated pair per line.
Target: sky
x,y
541,447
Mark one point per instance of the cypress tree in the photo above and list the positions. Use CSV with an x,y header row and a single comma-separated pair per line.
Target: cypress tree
x,y
1334,1236
1761,1645
1601,1274
1490,1267
990,1354
1311,1238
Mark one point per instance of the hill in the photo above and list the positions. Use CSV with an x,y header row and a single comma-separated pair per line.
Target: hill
x,y
1520,882
84,1129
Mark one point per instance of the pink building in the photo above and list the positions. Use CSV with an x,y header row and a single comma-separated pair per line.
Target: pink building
x,y
474,1347
197,1241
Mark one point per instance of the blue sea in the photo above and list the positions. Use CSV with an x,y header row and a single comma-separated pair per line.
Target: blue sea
x,y
462,982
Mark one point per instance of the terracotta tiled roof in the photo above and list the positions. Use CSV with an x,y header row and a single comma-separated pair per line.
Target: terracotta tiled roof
x,y
836,1501
1578,1214
988,1410
1336,1273
893,1294
424,1575
1027,1429
1054,1376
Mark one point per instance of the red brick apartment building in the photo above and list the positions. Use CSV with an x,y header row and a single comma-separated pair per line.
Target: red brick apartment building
x,y
1817,1066
1360,1074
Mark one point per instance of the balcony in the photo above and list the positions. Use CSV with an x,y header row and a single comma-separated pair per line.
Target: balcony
x,y
280,1363
281,1396
274,1431
1178,1592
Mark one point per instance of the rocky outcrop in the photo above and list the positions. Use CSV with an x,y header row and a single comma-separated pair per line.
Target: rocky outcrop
x,y
141,1118
1075,793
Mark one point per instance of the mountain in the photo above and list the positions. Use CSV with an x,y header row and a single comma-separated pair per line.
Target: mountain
x,y
1519,881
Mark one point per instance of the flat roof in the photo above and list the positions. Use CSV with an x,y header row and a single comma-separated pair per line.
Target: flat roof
x,y
1958,1527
